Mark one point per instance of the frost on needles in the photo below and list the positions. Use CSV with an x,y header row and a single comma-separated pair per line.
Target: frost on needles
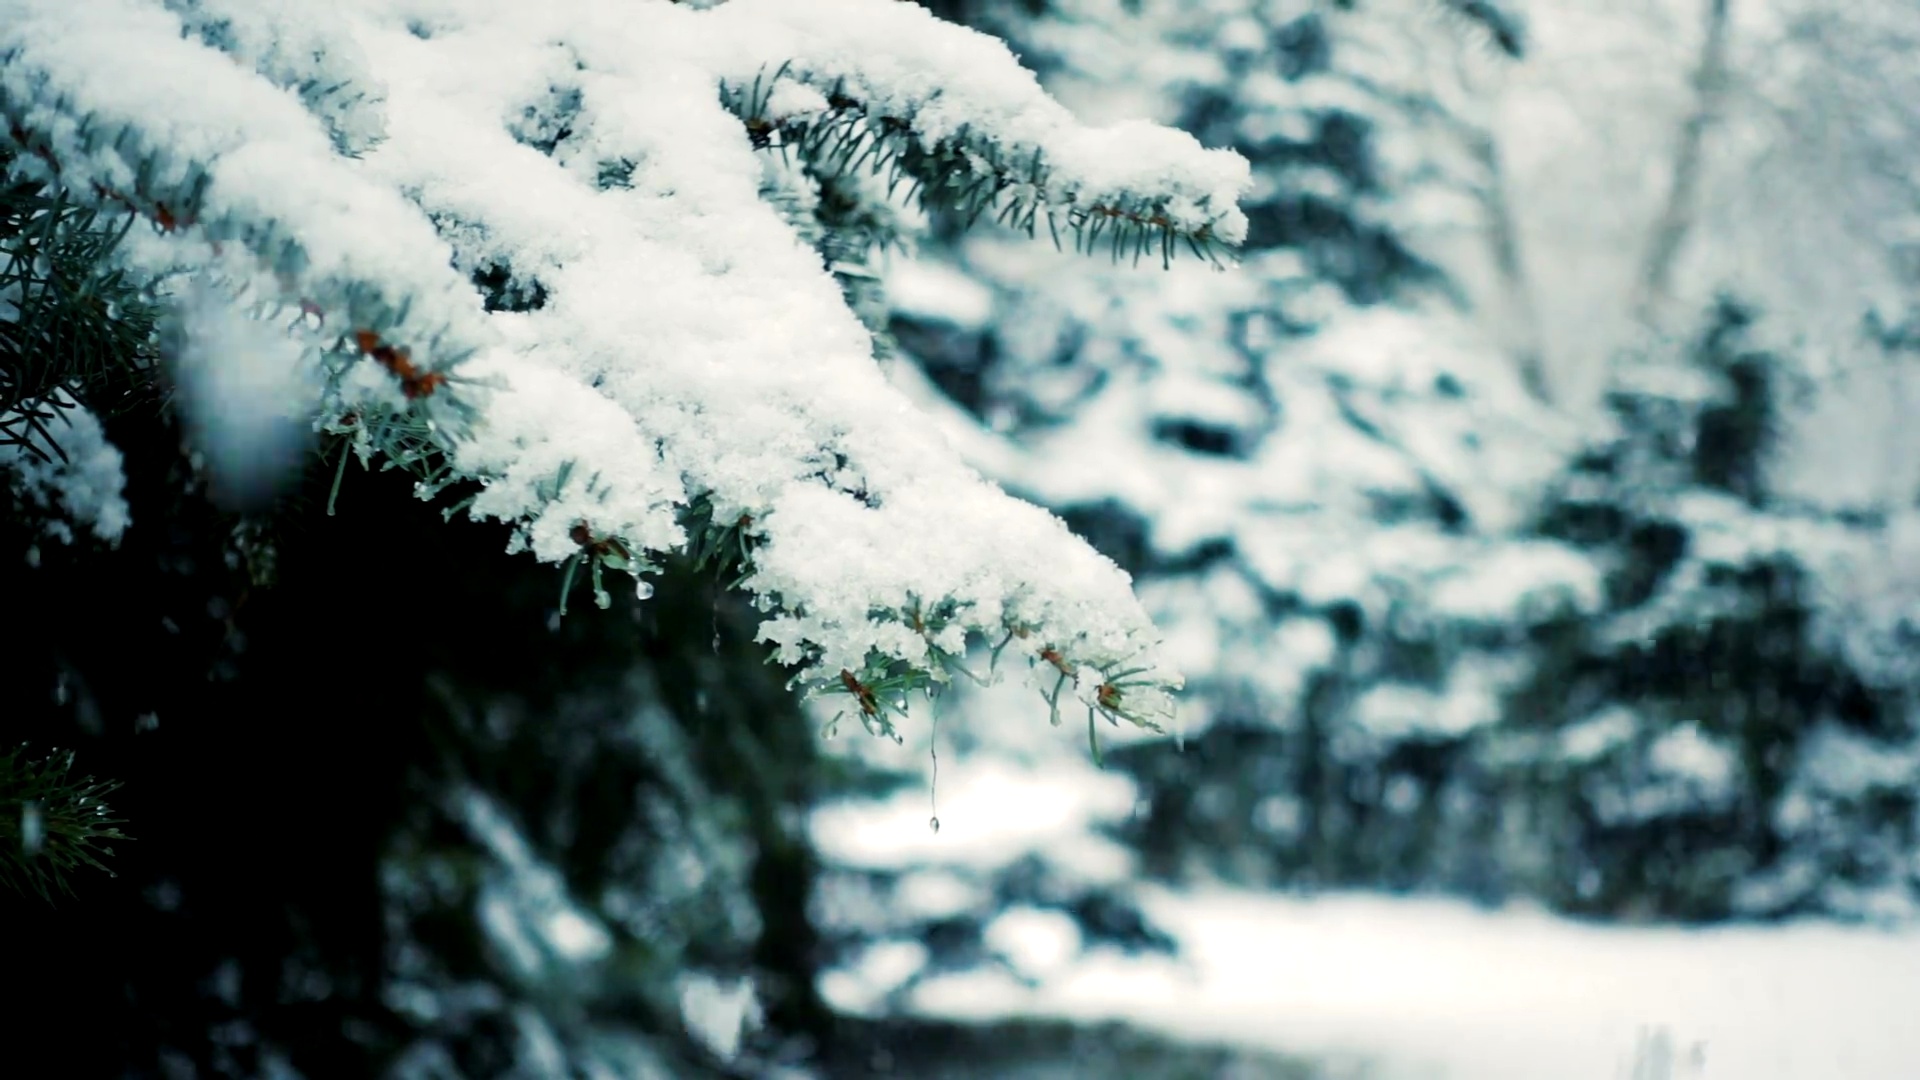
x,y
531,253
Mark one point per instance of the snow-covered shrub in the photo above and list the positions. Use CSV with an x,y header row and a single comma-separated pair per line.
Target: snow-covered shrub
x,y
1354,501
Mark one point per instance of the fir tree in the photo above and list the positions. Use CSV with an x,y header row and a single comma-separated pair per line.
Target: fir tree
x,y
1721,740
432,259
1316,467
592,278
391,275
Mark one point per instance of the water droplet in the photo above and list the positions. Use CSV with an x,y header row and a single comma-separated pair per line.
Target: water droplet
x,y
933,823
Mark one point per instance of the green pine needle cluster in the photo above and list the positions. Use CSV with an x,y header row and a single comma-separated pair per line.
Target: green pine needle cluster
x,y
52,823
75,329
970,176
885,687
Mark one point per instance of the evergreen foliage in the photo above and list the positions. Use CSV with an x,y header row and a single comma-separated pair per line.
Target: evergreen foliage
x,y
377,336
78,329
393,822
452,852
51,822
381,334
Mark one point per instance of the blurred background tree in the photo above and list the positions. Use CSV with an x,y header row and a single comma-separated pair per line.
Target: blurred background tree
x,y
1478,503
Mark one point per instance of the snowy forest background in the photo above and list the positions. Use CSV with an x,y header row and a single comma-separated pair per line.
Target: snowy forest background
x,y
1531,503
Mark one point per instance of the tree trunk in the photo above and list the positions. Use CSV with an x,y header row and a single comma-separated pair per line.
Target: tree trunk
x,y
1677,215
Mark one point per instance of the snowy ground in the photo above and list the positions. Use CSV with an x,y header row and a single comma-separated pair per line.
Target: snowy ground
x,y
1434,989
1379,987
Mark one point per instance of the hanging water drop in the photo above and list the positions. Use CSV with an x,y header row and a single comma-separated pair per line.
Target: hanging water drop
x,y
933,756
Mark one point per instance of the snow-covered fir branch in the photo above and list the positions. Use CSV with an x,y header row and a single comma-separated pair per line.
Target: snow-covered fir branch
x,y
528,247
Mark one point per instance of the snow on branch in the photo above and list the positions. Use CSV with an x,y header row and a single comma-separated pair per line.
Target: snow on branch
x,y
305,48
885,86
531,242
109,98
74,471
